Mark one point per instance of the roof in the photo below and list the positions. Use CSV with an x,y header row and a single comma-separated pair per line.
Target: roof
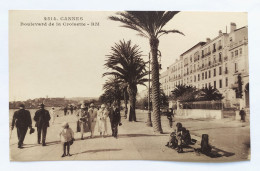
x,y
198,44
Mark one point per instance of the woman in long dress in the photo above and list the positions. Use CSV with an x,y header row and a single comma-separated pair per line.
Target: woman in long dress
x,y
92,118
82,116
102,120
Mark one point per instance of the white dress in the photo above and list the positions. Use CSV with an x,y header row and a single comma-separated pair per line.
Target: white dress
x,y
102,120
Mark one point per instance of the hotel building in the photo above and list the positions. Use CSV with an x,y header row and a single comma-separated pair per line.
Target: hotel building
x,y
221,62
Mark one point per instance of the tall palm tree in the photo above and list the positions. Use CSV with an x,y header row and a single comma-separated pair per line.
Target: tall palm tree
x,y
149,24
127,65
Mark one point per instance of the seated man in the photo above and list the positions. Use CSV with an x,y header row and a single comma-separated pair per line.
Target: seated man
x,y
186,138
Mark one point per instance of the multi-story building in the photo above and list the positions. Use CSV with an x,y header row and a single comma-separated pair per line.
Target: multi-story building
x,y
218,62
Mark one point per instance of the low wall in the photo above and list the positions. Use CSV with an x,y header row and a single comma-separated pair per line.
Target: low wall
x,y
200,113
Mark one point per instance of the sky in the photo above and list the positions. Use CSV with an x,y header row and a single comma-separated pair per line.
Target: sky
x,y
68,61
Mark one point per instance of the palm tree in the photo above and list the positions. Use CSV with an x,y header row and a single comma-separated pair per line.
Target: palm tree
x,y
112,91
209,93
149,24
127,65
184,92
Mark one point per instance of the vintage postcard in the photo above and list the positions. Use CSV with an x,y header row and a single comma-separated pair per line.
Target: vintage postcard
x,y
129,85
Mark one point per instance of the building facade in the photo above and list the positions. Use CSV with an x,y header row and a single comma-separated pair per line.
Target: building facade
x,y
221,62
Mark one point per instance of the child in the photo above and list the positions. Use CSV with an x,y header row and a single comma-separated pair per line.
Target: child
x,y
66,136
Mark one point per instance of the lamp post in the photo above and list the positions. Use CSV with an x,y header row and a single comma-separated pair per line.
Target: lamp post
x,y
149,120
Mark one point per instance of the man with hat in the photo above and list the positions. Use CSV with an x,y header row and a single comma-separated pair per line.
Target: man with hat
x,y
22,120
115,119
83,116
42,118
92,118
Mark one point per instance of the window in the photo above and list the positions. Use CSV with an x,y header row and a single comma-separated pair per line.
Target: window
x,y
236,67
214,72
215,84
202,76
232,54
194,78
206,75
220,83
202,85
214,47
209,73
209,84
220,57
236,52
226,81
198,77
220,70
226,69
206,85
240,51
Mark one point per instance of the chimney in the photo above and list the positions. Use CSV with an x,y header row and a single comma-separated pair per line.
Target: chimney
x,y
233,27
219,32
208,40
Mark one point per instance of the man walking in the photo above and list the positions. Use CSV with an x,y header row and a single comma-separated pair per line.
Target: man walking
x,y
42,118
65,110
242,114
22,120
115,119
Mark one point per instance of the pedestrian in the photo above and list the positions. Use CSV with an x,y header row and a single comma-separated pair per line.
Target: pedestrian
x,y
102,120
92,118
71,109
242,114
22,120
66,137
82,116
65,110
42,118
115,119
53,115
170,116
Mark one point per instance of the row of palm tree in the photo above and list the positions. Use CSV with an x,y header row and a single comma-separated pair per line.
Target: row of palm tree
x,y
128,69
150,25
187,93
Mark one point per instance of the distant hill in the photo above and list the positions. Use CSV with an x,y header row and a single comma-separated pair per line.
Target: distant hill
x,y
82,98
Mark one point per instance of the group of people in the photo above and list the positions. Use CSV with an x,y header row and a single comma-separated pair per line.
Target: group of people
x,y
87,119
179,138
22,120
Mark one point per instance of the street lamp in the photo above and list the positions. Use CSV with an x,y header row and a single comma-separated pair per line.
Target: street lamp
x,y
149,119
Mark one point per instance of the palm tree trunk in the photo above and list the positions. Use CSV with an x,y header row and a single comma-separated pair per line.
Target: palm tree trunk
x,y
125,101
156,118
132,90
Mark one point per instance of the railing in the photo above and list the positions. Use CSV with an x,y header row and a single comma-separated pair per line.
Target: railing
x,y
213,105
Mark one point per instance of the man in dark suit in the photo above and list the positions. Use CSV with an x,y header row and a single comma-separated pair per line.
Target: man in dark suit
x,y
22,120
42,118
115,119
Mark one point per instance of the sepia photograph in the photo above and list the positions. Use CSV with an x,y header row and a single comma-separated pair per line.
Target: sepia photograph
x,y
129,85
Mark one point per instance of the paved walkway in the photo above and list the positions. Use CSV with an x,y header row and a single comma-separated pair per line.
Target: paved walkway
x,y
137,142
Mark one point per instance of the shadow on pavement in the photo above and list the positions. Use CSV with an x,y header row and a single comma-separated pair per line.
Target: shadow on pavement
x,y
139,135
98,150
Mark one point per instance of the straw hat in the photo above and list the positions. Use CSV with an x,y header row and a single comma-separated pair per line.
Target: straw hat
x,y
103,106
83,106
92,105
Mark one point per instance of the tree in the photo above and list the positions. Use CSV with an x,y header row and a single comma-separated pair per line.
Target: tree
x,y
149,24
184,93
208,94
127,65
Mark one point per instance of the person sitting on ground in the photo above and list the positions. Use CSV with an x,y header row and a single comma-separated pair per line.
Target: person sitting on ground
x,y
174,136
185,137
179,137
66,136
